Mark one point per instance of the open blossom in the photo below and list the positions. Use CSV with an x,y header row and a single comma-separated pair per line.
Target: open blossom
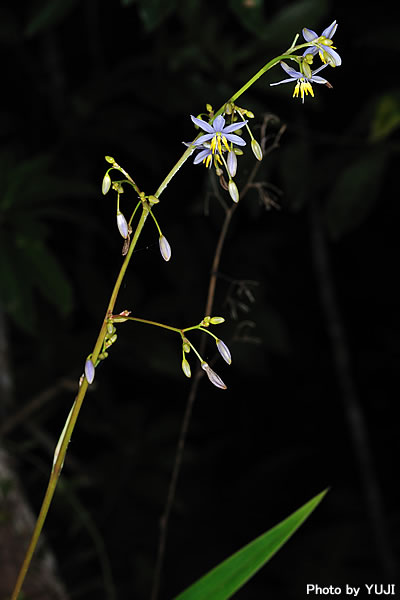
x,y
322,45
217,134
303,82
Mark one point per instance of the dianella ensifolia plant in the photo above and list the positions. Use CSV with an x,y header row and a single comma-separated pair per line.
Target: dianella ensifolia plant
x,y
218,145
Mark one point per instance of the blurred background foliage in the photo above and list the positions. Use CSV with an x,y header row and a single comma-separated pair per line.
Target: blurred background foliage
x,y
86,79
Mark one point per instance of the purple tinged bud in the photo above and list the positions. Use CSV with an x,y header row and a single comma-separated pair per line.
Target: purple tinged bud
x,y
233,191
255,146
89,371
186,368
165,248
106,184
231,161
213,377
224,351
122,225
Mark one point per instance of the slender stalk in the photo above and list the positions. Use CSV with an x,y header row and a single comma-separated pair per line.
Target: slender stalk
x,y
66,436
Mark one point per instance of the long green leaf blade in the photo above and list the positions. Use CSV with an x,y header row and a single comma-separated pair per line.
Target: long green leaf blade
x,y
230,575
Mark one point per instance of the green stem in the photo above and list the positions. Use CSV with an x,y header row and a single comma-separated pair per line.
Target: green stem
x,y
66,437
147,322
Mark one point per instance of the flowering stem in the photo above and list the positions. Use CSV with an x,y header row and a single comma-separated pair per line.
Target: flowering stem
x,y
237,95
71,421
73,416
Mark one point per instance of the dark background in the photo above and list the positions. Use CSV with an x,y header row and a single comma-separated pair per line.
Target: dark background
x,y
312,396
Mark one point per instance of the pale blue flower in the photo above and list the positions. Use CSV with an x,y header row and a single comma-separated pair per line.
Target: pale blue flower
x,y
303,82
217,134
323,45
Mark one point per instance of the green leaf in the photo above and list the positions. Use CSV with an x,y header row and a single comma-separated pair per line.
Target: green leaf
x,y
386,118
153,12
16,294
251,15
50,13
354,193
230,575
47,275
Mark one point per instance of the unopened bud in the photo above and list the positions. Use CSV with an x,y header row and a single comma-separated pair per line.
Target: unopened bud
x,y
165,248
186,368
186,346
224,351
231,161
216,320
213,377
89,371
233,191
122,225
255,146
106,184
110,160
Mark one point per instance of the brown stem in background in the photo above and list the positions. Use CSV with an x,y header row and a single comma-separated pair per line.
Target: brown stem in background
x,y
352,406
229,212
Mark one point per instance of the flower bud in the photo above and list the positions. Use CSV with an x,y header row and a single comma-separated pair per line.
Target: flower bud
x,y
106,184
89,371
110,159
122,225
213,377
165,248
186,368
216,320
186,346
224,351
231,161
233,191
255,146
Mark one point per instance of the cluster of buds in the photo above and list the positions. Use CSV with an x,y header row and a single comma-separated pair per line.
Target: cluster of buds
x,y
218,146
110,338
125,227
222,348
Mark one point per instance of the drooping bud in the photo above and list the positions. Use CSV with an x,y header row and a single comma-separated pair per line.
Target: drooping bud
x,y
186,346
255,146
165,248
89,371
186,368
213,377
231,161
233,191
216,320
122,225
106,184
224,351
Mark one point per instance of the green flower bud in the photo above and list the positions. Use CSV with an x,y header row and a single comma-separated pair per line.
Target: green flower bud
x,y
216,320
186,368
255,146
233,191
106,184
110,160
